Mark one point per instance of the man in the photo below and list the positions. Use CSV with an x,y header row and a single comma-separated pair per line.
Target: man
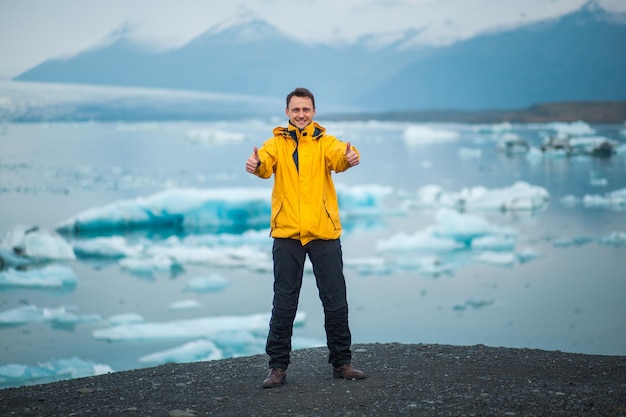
x,y
305,220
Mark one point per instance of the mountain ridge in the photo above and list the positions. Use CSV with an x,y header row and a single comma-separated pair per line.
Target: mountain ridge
x,y
549,61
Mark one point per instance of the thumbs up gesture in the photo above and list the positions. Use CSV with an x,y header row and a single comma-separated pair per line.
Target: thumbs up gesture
x,y
252,163
352,156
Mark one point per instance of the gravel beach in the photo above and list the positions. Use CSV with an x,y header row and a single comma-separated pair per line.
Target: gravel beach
x,y
403,379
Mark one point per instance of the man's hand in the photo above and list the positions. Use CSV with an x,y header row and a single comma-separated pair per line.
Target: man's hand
x,y
252,162
351,156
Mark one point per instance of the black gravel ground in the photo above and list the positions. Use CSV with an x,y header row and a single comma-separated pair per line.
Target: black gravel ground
x,y
414,380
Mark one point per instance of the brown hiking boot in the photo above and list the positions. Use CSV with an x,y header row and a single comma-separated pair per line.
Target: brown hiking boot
x,y
348,371
275,378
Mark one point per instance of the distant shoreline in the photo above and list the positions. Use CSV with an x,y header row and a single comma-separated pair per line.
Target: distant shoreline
x,y
597,112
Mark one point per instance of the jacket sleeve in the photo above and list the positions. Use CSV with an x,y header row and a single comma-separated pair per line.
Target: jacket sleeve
x,y
336,154
267,159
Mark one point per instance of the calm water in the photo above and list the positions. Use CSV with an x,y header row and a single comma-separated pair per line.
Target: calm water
x,y
571,298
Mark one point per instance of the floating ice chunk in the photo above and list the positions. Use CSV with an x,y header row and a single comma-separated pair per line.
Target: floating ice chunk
x,y
469,153
188,304
64,315
494,128
126,318
578,128
520,196
361,197
298,342
613,200
226,257
249,237
106,247
36,243
431,266
232,210
616,239
201,327
422,134
497,258
534,155
424,240
527,255
199,350
513,144
9,258
51,276
453,231
494,243
151,266
212,283
465,227
18,375
368,266
187,208
592,145
473,304
213,136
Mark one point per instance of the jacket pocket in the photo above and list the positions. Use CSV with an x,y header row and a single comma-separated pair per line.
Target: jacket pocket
x,y
277,206
332,211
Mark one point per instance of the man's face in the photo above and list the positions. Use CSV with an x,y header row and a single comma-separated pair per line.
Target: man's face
x,y
300,111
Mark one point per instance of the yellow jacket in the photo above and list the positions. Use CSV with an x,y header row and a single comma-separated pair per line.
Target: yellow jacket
x,y
304,200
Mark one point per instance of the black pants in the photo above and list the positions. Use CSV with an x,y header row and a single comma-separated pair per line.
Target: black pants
x,y
326,258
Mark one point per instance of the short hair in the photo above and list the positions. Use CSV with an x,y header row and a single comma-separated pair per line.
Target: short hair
x,y
301,92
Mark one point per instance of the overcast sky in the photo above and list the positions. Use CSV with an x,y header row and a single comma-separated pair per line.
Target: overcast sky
x,y
32,31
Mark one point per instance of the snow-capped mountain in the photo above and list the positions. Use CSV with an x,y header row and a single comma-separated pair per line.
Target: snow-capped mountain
x,y
578,56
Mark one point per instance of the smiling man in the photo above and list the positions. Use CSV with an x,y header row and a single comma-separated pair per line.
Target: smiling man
x,y
305,221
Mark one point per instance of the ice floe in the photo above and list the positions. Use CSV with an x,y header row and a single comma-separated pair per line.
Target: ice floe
x,y
192,328
44,372
521,196
211,283
62,316
49,276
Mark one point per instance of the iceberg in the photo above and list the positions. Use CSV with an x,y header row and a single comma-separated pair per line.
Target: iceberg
x,y
425,240
186,209
27,245
474,304
50,276
497,258
521,196
229,210
125,318
616,239
196,351
193,328
466,227
455,239
64,315
362,199
415,135
225,257
106,247
151,266
577,128
188,304
213,136
17,374
615,200
212,283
